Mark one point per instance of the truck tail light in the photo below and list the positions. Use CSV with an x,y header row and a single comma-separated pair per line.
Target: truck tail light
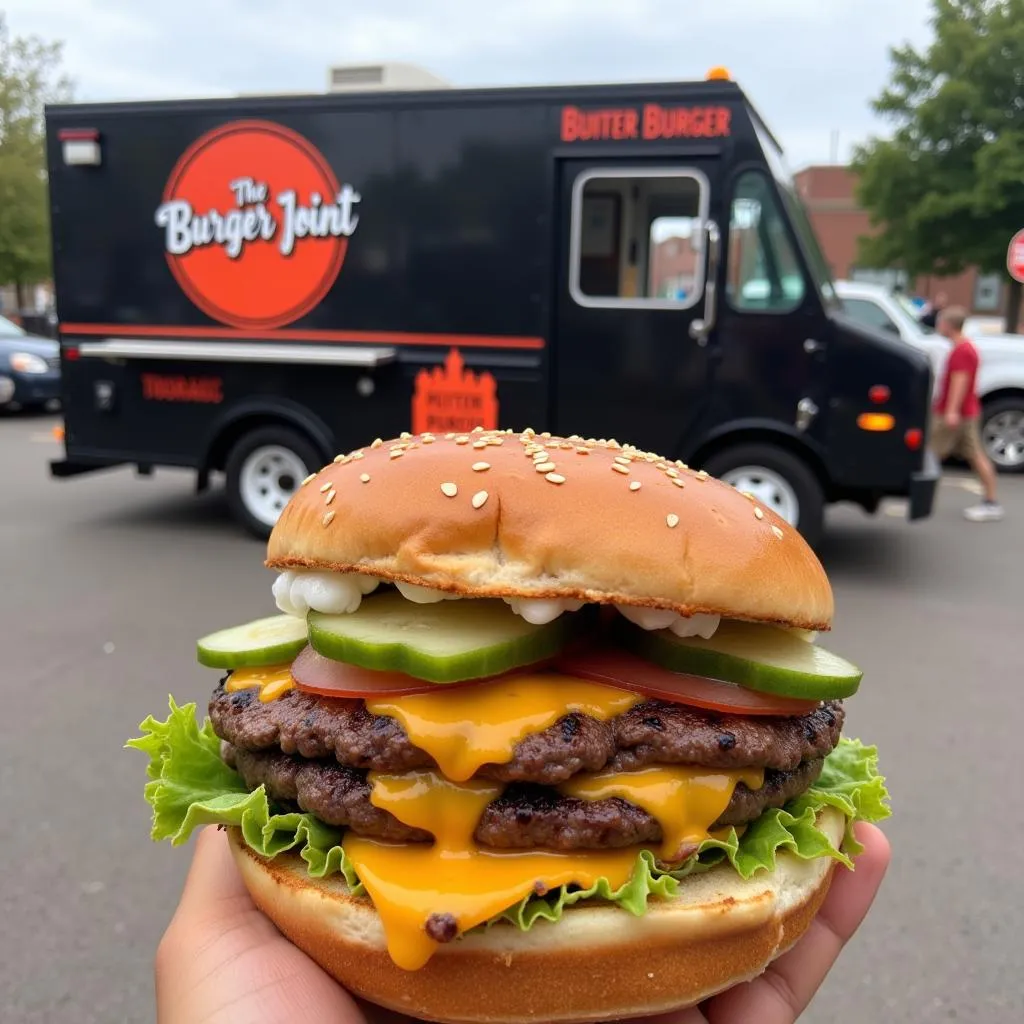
x,y
80,146
879,394
914,438
877,422
71,353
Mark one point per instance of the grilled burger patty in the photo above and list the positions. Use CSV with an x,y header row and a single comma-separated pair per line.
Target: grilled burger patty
x,y
655,732
525,816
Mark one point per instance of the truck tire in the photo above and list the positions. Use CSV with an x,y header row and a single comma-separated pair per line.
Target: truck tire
x,y
779,479
264,469
1002,433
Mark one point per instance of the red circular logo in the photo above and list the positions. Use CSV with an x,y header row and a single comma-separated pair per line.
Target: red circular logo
x,y
255,224
1015,257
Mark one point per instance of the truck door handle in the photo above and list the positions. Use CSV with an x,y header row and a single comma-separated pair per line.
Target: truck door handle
x,y
701,328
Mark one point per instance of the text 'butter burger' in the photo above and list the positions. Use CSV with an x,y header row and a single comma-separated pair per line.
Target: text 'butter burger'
x,y
543,731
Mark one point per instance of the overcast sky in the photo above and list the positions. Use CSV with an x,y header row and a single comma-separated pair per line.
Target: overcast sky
x,y
811,66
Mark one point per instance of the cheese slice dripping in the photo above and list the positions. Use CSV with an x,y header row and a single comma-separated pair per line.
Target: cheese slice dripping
x,y
454,881
466,727
686,801
273,680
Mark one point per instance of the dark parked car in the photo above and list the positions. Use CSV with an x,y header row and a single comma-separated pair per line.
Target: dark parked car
x,y
29,368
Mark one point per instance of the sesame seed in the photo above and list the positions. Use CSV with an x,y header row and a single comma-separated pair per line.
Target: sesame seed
x,y
479,498
358,455
429,439
672,473
555,478
529,432
479,467
341,458
681,464
758,513
397,454
478,430
405,435
622,460
777,532
377,443
462,439
614,444
331,495
328,517
544,467
312,476
748,495
479,444
449,490
634,485
546,433
678,482
449,437
565,446
497,441
702,476
365,478
619,468
672,519
582,451
326,487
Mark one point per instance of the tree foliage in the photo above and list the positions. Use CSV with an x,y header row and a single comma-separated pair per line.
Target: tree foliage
x,y
947,189
29,79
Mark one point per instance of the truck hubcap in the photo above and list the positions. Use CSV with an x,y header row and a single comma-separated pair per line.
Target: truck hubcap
x,y
1003,437
270,476
770,488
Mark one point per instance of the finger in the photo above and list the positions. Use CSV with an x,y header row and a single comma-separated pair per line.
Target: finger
x,y
213,876
782,993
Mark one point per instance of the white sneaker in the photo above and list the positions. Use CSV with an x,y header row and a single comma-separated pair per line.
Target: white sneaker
x,y
986,512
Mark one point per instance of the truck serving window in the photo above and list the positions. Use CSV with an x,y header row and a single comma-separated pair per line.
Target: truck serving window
x,y
763,271
637,238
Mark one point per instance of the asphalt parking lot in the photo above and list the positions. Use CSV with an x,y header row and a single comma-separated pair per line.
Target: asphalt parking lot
x,y
108,580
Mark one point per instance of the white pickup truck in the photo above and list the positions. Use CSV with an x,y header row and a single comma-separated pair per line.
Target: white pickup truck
x,y
1000,376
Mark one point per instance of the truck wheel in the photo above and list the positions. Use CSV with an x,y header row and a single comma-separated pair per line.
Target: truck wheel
x,y
779,480
1002,433
264,469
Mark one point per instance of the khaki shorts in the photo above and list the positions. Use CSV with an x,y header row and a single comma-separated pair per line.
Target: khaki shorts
x,y
963,440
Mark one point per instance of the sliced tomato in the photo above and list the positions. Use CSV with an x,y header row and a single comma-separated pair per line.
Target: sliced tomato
x,y
313,673
619,668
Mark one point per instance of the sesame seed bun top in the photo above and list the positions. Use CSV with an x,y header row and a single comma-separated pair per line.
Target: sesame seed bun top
x,y
493,514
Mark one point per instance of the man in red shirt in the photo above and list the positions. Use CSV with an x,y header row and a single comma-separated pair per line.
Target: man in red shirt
x,y
957,410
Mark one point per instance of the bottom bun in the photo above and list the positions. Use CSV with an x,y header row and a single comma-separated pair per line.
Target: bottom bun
x,y
598,962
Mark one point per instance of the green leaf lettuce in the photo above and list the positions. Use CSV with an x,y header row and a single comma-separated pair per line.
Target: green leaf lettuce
x,y
189,786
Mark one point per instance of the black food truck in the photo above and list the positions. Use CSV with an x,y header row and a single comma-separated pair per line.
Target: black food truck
x,y
248,286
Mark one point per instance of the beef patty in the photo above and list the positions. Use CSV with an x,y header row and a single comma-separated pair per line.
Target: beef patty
x,y
655,732
525,816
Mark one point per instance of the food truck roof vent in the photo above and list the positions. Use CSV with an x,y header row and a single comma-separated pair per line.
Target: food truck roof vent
x,y
353,77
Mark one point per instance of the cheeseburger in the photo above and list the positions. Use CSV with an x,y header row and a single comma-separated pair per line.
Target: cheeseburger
x,y
542,732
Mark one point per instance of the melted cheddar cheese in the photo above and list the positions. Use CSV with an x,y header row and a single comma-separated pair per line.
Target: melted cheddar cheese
x,y
273,680
411,883
684,800
467,727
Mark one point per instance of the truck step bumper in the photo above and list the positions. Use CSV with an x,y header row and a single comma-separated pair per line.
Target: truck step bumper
x,y
63,468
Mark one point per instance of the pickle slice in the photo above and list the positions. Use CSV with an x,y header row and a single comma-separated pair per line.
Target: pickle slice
x,y
262,642
442,643
754,655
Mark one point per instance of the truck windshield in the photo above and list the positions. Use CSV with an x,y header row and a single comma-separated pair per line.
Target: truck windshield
x,y
801,223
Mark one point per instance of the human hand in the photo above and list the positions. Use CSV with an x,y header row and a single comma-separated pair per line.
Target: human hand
x,y
952,418
221,961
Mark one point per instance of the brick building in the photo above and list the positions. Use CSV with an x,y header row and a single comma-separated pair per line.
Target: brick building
x,y
827,192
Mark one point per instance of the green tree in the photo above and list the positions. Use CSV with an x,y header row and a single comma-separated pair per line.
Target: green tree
x,y
946,191
29,79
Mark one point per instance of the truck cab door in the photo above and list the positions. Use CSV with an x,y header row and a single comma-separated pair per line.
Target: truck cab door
x,y
633,311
